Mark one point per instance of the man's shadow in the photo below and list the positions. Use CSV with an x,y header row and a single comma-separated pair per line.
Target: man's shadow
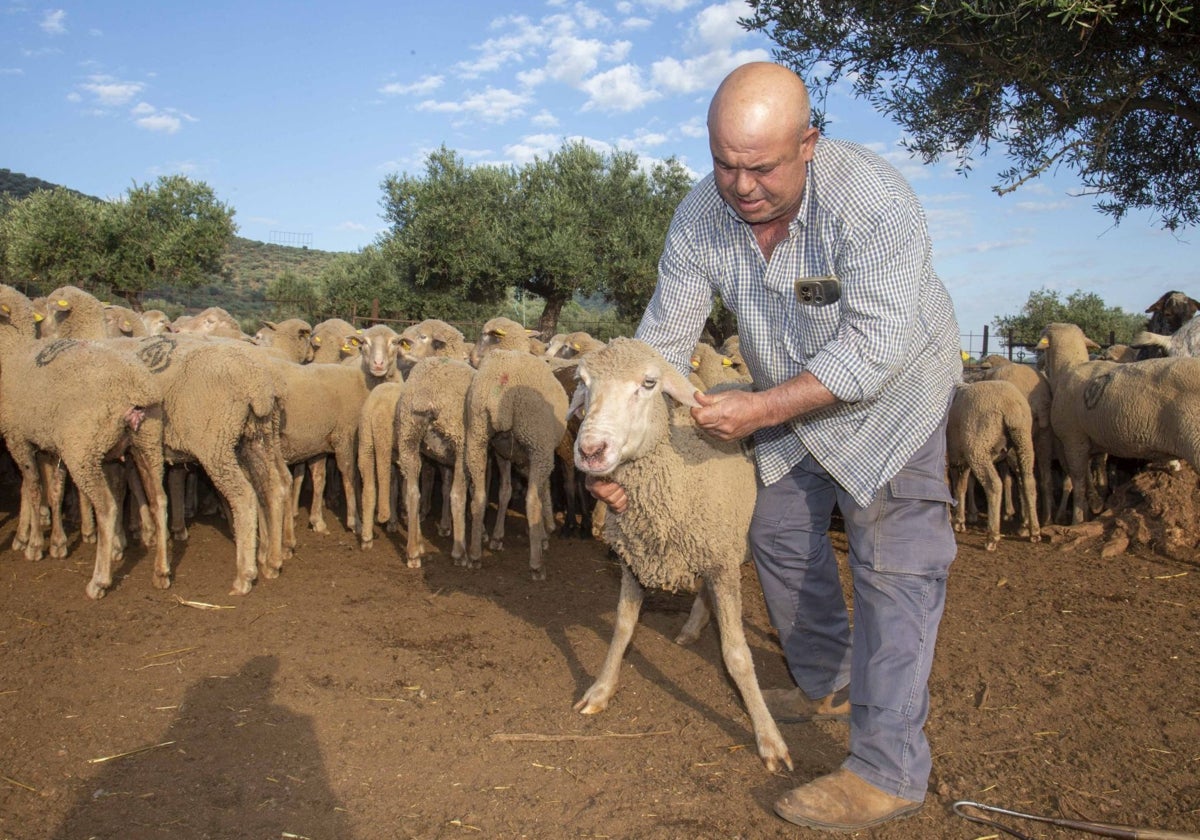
x,y
233,764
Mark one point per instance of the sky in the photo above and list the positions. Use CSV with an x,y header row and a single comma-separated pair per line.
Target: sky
x,y
294,114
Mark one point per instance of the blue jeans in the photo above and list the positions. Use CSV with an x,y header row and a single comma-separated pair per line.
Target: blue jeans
x,y
901,547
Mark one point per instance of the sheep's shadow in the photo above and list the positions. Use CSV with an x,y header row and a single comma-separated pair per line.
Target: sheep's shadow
x,y
582,625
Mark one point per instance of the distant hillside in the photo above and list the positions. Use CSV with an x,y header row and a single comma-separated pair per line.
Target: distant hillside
x,y
248,265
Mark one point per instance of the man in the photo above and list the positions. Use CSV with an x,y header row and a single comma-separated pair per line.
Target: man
x,y
820,248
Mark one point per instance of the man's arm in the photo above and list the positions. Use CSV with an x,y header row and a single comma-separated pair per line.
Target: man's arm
x,y
734,414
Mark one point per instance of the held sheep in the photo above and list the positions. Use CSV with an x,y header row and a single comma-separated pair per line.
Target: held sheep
x,y
1148,410
988,421
516,407
688,516
430,424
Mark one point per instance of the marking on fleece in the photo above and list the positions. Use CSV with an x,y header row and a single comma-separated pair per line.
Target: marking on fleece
x,y
156,353
1095,390
53,350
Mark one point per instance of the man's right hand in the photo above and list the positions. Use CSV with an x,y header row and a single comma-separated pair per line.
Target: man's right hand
x,y
607,491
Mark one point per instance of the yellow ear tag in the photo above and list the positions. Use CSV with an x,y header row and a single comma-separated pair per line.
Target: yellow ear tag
x,y
500,333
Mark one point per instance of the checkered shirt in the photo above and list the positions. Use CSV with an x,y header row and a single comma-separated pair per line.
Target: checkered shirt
x,y
888,349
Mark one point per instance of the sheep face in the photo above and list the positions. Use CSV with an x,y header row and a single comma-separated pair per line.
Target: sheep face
x,y
620,396
379,347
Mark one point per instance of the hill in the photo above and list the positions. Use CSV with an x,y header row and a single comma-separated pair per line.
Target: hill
x,y
247,266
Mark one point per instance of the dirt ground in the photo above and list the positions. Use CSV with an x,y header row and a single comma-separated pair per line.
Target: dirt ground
x,y
354,697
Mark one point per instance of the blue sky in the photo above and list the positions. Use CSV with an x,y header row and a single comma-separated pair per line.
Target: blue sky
x,y
295,113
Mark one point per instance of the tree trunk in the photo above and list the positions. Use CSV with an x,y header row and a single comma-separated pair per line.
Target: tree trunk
x,y
548,323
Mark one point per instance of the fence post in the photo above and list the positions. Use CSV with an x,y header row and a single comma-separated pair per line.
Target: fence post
x,y
984,352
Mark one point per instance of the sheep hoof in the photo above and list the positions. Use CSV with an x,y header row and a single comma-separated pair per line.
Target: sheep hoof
x,y
33,552
443,531
1035,537
775,755
95,591
241,586
89,538
991,545
180,534
593,702
686,637
18,544
366,545
414,562
161,581
959,527
269,572
537,574
319,526
495,544
392,528
58,550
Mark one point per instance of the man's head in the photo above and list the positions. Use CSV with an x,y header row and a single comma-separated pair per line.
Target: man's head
x,y
761,141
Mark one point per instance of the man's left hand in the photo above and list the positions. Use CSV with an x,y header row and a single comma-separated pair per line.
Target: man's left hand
x,y
728,415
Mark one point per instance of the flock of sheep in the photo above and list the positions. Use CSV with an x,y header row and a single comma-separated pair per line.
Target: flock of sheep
x,y
1053,427
125,403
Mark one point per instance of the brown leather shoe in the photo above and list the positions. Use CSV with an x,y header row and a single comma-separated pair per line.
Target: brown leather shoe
x,y
842,801
791,705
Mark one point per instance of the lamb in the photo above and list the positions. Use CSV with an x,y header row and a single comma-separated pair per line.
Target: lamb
x,y
988,420
1146,410
430,422
688,516
86,402
288,339
1033,385
515,405
329,341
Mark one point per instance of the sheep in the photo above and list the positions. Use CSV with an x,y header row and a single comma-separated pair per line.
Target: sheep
x,y
376,447
690,500
122,321
85,402
288,339
1033,386
713,367
501,334
430,422
431,337
988,420
156,322
329,341
213,321
515,405
1122,353
576,344
1146,410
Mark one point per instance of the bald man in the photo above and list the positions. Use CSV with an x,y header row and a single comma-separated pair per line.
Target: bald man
x,y
820,248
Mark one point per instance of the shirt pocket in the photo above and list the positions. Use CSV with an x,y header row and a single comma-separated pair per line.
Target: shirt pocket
x,y
809,328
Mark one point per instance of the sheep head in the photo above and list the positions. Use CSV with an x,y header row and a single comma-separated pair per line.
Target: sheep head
x,y
620,397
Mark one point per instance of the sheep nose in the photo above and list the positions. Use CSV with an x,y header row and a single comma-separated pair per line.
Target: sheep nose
x,y
592,451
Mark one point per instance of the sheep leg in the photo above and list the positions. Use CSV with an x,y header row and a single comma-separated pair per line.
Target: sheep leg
x,y
427,477
147,456
458,511
258,458
298,472
697,619
54,482
393,520
316,507
177,488
411,469
237,491
960,481
476,456
446,526
535,513
984,470
93,485
23,455
114,474
504,497
368,471
345,463
727,594
629,605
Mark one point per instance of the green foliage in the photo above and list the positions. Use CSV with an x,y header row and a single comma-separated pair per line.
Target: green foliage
x,y
1110,90
292,296
52,238
1104,325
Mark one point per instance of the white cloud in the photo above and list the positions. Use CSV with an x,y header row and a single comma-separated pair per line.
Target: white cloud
x,y
702,73
53,22
110,91
532,146
424,85
668,5
636,24
619,89
11,71
544,119
508,49
493,105
716,27
165,123
355,226
143,108
695,127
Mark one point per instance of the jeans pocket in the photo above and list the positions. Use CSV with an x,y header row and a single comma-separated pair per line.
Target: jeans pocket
x,y
913,533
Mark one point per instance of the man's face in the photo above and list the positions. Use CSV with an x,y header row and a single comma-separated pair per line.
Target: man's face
x,y
762,177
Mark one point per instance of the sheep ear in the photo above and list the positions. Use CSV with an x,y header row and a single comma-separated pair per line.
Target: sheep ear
x,y
578,406
676,386
1091,345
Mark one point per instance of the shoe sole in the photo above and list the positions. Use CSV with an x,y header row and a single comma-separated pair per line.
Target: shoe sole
x,y
805,822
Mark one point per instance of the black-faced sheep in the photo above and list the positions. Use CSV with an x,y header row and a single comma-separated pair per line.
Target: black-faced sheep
x,y
688,516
